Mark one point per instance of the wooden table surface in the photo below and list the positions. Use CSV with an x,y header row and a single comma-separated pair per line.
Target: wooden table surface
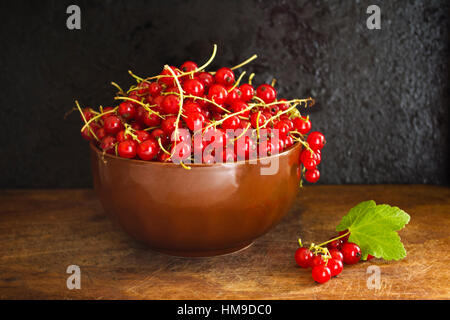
x,y
42,232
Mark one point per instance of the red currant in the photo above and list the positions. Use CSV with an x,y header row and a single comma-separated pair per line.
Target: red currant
x,y
188,66
321,274
112,125
317,260
303,257
193,87
217,93
147,149
206,78
168,78
154,89
316,140
127,149
351,253
335,244
171,104
195,120
312,176
247,92
152,120
267,93
107,144
336,266
232,123
336,254
302,125
224,76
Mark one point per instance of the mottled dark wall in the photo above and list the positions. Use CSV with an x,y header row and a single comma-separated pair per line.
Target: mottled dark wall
x,y
383,95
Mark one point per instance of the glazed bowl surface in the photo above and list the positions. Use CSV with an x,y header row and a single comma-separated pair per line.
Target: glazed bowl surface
x,y
208,210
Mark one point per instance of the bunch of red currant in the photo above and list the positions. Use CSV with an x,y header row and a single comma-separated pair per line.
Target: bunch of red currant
x,y
159,118
327,262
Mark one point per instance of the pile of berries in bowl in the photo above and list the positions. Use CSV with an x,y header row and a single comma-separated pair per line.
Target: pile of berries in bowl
x,y
192,119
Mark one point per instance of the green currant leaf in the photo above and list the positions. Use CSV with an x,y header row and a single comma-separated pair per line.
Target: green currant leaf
x,y
354,212
374,229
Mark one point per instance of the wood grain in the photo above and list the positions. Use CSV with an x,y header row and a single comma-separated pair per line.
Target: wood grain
x,y
44,231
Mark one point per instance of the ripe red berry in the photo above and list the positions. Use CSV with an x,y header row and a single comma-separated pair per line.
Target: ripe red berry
x,y
168,125
127,149
112,125
154,89
142,135
224,76
127,110
336,244
193,87
206,78
351,252
232,123
302,125
195,120
303,257
370,257
240,106
317,260
247,92
283,129
267,93
321,274
107,144
190,107
336,254
233,97
188,66
217,93
168,78
344,239
143,87
316,140
147,149
159,134
152,120
336,266
261,120
288,142
312,176
171,104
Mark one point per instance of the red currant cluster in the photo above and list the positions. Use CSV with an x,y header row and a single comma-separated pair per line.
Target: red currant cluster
x,y
159,118
327,262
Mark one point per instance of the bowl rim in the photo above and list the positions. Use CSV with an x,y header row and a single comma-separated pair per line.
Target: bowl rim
x,y
97,150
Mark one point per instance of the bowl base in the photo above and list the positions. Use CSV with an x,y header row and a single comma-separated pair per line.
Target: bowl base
x,y
205,253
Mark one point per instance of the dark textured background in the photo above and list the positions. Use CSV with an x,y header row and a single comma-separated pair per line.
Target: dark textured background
x,y
383,95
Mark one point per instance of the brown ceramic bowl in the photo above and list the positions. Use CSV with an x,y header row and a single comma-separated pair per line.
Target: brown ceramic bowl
x,y
208,210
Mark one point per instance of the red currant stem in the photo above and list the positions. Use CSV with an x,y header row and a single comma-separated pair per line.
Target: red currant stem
x,y
84,119
207,63
132,88
199,98
250,78
257,123
237,82
215,123
118,87
96,117
146,106
273,82
138,79
279,114
331,240
162,147
150,128
180,110
300,242
246,129
253,57
69,112
185,166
